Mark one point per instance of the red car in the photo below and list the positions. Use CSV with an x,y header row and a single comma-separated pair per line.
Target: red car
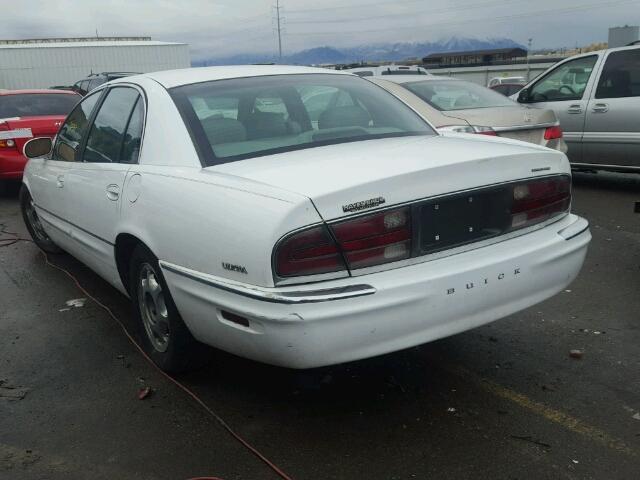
x,y
25,114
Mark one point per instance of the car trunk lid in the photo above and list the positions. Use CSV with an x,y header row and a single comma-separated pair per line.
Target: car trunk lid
x,y
348,178
516,122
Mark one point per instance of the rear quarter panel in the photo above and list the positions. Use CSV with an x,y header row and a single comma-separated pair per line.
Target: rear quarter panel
x,y
200,220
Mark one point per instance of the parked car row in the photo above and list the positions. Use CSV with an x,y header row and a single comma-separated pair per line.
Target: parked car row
x,y
595,97
306,217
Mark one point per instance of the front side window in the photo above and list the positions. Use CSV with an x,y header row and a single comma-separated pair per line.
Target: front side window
x,y
446,95
75,126
105,140
280,113
566,82
620,76
36,104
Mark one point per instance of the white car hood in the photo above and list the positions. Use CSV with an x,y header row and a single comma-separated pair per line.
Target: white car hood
x,y
396,169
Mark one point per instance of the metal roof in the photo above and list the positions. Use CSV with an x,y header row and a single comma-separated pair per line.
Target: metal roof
x,y
185,76
85,43
475,52
37,92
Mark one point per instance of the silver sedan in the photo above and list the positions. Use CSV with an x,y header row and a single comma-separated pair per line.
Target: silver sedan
x,y
450,104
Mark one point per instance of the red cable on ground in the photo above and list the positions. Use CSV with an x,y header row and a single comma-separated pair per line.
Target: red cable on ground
x,y
177,383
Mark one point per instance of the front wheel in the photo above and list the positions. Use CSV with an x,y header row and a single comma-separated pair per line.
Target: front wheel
x,y
165,337
34,226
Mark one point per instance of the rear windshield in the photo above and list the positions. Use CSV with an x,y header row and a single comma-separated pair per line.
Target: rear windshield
x,y
35,104
249,117
448,95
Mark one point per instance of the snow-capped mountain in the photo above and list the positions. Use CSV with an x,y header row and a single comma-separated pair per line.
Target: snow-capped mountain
x,y
370,53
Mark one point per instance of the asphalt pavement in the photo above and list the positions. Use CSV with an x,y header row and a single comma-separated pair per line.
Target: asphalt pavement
x,y
505,401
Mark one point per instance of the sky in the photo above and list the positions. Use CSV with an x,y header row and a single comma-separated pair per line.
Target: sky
x,y
217,28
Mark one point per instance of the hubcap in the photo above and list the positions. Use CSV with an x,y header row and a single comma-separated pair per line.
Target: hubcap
x,y
153,308
34,221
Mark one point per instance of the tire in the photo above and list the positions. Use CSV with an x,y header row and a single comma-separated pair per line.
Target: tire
x,y
32,221
164,336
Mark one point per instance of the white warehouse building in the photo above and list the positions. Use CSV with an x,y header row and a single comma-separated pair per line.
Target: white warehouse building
x,y
42,63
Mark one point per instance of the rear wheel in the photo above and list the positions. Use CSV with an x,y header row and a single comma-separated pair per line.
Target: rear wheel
x,y
32,221
165,337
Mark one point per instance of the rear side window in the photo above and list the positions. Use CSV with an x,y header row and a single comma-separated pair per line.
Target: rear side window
x,y
74,128
620,76
133,135
35,104
106,138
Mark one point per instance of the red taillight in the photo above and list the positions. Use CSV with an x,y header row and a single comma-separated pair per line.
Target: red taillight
x,y
375,239
8,143
539,200
309,252
551,133
362,242
387,236
485,131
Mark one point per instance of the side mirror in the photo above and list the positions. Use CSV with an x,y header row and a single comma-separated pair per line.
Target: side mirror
x,y
523,96
37,147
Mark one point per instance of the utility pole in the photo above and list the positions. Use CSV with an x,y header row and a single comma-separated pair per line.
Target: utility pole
x,y
529,53
279,30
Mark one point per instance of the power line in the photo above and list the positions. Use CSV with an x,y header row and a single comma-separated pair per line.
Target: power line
x,y
277,7
574,9
490,3
351,7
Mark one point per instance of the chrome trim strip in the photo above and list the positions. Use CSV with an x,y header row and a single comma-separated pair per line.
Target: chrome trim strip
x,y
603,166
515,128
611,137
580,232
272,295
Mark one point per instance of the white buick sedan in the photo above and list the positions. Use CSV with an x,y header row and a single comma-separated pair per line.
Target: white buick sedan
x,y
296,216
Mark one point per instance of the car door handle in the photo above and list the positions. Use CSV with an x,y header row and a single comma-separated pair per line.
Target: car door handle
x,y
576,108
60,181
600,108
113,192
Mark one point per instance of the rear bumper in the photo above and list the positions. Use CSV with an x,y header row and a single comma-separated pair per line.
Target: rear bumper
x,y
401,308
12,165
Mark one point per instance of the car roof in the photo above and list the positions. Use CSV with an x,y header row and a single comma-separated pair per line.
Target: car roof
x,y
186,76
414,78
37,91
